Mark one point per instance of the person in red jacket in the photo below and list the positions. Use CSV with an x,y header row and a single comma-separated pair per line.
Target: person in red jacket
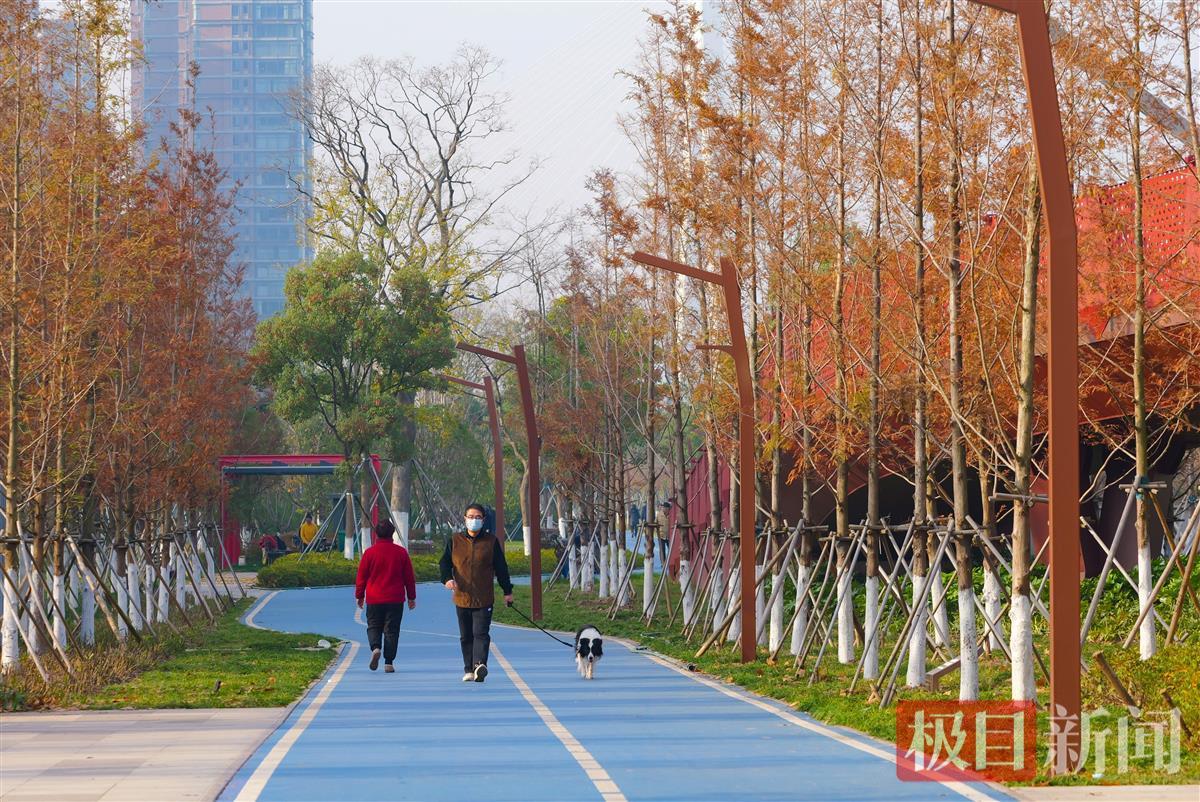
x,y
385,581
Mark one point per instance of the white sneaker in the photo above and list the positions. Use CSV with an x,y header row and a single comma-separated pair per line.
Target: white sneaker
x,y
469,676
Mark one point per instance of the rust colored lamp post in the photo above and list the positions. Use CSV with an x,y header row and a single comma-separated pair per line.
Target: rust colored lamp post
x,y
489,392
533,442
727,280
1037,61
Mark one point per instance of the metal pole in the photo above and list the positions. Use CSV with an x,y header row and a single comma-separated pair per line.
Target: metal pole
x,y
747,476
535,483
489,389
1037,61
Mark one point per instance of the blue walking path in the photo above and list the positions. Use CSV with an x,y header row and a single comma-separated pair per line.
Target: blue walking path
x,y
642,730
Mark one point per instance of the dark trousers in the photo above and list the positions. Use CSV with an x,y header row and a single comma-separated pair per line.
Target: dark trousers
x,y
474,624
383,621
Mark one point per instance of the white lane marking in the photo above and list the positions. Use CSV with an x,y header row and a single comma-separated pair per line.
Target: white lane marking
x,y
960,788
608,789
257,608
262,775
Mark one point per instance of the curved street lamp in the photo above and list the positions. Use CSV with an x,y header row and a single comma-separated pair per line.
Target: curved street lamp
x,y
533,442
489,392
1037,62
727,280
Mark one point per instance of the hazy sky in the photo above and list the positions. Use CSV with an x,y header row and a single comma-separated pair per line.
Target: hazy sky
x,y
560,64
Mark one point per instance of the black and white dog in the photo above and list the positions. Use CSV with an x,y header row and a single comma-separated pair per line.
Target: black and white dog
x,y
589,648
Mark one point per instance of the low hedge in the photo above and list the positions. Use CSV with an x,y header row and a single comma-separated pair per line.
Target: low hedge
x,y
314,571
331,568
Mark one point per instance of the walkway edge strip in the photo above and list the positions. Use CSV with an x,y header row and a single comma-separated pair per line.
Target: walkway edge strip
x,y
248,620
262,775
608,789
962,789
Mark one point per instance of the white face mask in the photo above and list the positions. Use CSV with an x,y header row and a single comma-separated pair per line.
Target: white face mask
x,y
474,524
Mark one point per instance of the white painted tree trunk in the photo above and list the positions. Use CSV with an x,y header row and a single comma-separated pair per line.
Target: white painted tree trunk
x,y
19,576
776,634
150,592
1024,683
871,646
1147,646
968,669
347,546
845,618
122,602
992,606
800,623
603,592
180,577
36,595
589,567
402,529
689,594
735,589
73,585
622,585
718,594
915,677
132,571
647,583
941,617
164,599
760,602
527,534
573,565
59,628
203,567
87,615
10,659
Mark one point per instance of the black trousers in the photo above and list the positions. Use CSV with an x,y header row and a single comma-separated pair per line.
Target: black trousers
x,y
474,625
383,622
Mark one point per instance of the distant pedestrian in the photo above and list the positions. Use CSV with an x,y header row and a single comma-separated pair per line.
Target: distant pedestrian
x,y
385,581
308,530
472,562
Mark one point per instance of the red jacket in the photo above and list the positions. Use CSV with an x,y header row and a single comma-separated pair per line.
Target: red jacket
x,y
385,575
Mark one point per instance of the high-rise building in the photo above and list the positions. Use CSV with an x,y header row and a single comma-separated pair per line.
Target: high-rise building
x,y
253,58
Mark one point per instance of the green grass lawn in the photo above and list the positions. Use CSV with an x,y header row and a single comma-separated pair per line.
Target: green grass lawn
x,y
1176,667
255,668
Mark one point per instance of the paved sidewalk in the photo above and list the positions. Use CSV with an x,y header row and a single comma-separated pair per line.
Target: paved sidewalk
x,y
127,755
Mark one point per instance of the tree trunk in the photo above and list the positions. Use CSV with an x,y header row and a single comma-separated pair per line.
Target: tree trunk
x,y
1024,683
1147,644
968,676
915,676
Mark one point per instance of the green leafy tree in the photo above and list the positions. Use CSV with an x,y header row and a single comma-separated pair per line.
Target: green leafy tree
x,y
344,352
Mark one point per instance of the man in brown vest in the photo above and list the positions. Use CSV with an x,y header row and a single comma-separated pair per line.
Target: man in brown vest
x,y
472,561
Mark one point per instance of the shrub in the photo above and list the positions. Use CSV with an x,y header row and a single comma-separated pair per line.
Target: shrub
x,y
315,570
331,568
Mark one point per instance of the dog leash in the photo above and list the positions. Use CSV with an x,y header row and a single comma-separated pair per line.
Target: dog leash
x,y
539,626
